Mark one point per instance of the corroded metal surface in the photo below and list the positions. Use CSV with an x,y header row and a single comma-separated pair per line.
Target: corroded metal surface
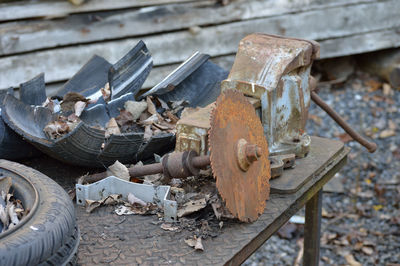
x,y
192,130
294,179
107,238
276,70
244,191
280,162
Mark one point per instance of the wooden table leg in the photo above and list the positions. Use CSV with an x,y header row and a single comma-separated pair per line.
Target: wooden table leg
x,y
312,230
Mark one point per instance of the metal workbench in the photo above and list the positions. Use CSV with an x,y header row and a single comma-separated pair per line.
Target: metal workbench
x,y
107,238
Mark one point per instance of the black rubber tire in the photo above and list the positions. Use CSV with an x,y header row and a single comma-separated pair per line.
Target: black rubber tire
x,y
49,234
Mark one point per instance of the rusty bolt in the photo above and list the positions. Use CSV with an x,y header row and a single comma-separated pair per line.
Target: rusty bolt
x,y
247,154
253,152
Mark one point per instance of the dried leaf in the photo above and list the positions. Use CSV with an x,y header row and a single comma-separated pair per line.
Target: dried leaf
x,y
151,120
387,133
373,85
351,260
123,210
367,250
174,119
5,184
151,108
194,243
133,200
148,133
69,100
119,170
56,129
315,118
112,128
53,105
287,231
163,104
79,107
387,90
109,200
135,108
106,92
12,214
377,207
169,227
344,137
379,191
392,125
191,207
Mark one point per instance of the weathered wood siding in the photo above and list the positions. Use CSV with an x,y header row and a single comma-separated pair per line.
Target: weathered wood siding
x,y
57,38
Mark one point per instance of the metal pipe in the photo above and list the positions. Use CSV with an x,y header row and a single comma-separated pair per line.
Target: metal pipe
x,y
371,146
148,169
201,161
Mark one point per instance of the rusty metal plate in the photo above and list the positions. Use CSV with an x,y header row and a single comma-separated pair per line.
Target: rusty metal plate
x,y
293,179
244,189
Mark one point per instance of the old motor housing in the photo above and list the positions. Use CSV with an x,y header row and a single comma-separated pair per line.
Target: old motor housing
x,y
276,70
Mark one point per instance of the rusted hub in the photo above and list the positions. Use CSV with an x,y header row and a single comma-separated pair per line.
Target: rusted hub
x,y
247,153
239,156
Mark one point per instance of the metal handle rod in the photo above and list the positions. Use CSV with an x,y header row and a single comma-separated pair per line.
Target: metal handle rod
x,y
371,146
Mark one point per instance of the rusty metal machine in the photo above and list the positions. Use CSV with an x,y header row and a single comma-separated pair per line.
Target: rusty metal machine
x,y
256,128
274,73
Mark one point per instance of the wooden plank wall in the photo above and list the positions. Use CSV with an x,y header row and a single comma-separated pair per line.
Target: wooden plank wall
x,y
57,38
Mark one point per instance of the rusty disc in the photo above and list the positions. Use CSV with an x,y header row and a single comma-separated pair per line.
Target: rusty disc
x,y
244,189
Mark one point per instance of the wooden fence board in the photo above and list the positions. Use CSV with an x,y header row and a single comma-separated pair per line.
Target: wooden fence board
x,y
24,36
335,24
61,8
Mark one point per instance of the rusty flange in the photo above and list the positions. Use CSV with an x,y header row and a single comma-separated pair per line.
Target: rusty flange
x,y
239,156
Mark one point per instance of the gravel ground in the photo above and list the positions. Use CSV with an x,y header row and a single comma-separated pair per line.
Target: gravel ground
x,y
362,222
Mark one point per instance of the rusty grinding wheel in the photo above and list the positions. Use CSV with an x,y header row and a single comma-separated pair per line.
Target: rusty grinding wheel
x,y
239,156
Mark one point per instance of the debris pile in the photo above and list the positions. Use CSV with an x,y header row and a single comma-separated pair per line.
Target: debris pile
x,y
152,116
11,209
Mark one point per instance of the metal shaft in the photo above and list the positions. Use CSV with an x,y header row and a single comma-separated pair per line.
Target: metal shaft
x,y
201,161
148,169
197,162
371,146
